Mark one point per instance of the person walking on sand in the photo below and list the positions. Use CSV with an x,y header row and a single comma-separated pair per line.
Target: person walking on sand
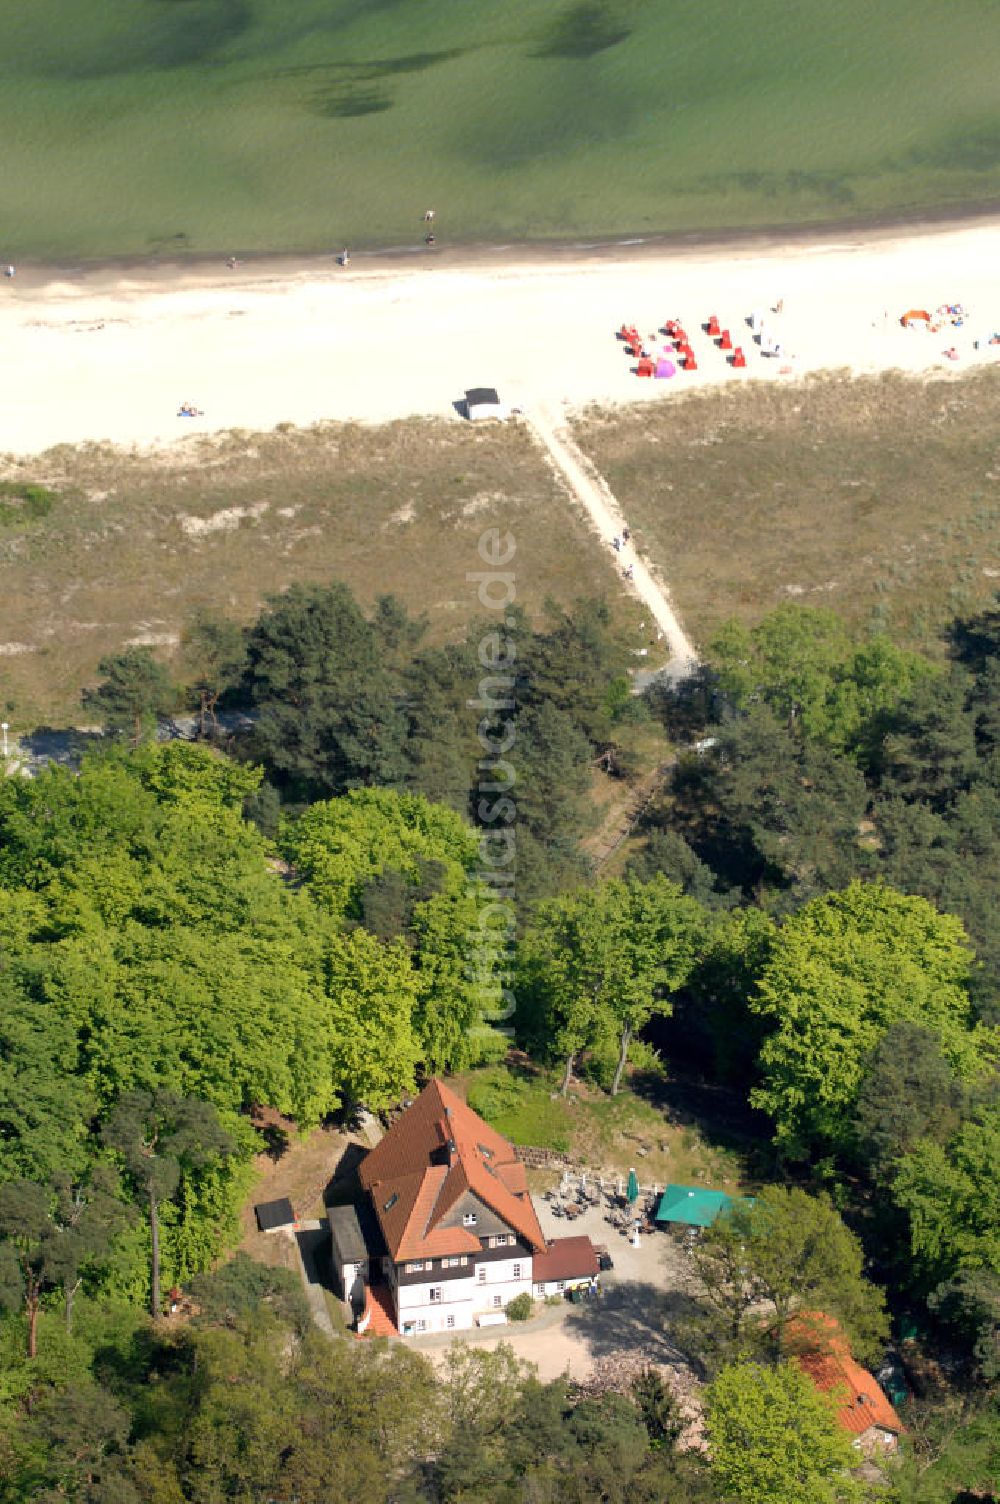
x,y
428,216
8,271
344,258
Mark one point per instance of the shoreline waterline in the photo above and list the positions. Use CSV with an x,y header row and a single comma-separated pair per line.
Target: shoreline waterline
x,y
454,254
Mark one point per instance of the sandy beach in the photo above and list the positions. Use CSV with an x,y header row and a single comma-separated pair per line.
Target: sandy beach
x,y
111,354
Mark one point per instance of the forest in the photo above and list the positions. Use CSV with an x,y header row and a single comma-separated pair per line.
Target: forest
x,y
288,911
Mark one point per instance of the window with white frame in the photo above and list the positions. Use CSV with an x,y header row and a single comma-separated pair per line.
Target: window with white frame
x,y
481,1274
421,1326
468,1219
500,1240
497,1301
449,1321
417,1265
540,1289
457,1262
560,1285
517,1271
435,1293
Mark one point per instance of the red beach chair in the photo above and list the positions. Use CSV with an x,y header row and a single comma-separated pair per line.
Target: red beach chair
x,y
739,359
712,329
690,364
725,341
645,367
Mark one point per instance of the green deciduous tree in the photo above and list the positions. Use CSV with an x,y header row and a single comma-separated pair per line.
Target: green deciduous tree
x,y
774,1438
373,999
603,961
159,1135
786,1252
408,870
135,692
840,972
802,662
951,1193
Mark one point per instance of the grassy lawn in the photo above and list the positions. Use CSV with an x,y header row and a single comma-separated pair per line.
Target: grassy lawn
x,y
158,127
135,543
604,1134
879,497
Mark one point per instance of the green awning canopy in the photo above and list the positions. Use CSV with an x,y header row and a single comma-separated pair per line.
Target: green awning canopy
x,y
692,1205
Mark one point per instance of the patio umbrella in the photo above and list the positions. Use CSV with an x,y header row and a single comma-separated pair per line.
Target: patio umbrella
x,y
632,1194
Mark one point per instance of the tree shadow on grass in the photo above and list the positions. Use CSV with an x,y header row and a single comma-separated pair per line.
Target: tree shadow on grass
x,y
721,1116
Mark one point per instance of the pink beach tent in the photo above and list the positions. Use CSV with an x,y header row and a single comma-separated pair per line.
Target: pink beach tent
x,y
665,368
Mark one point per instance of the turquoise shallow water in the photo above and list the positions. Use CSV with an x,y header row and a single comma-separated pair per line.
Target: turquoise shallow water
x,y
150,126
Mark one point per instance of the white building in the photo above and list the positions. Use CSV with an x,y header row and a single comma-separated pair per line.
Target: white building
x,y
445,1234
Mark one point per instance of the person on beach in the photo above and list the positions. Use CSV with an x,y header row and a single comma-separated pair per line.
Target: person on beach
x,y
626,535
616,543
8,271
344,258
428,216
428,240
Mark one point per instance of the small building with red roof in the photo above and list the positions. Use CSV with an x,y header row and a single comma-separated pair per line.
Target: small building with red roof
x,y
452,1232
820,1349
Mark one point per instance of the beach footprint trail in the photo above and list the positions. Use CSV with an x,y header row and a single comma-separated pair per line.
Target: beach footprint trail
x,y
590,489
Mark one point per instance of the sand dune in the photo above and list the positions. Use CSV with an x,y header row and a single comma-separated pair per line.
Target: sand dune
x,y
111,355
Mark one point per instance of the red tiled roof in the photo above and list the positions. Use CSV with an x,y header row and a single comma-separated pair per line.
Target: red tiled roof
x,y
821,1351
565,1258
380,1313
414,1181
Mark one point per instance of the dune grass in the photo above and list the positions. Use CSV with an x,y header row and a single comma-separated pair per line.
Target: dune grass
x,y
134,544
879,497
173,126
